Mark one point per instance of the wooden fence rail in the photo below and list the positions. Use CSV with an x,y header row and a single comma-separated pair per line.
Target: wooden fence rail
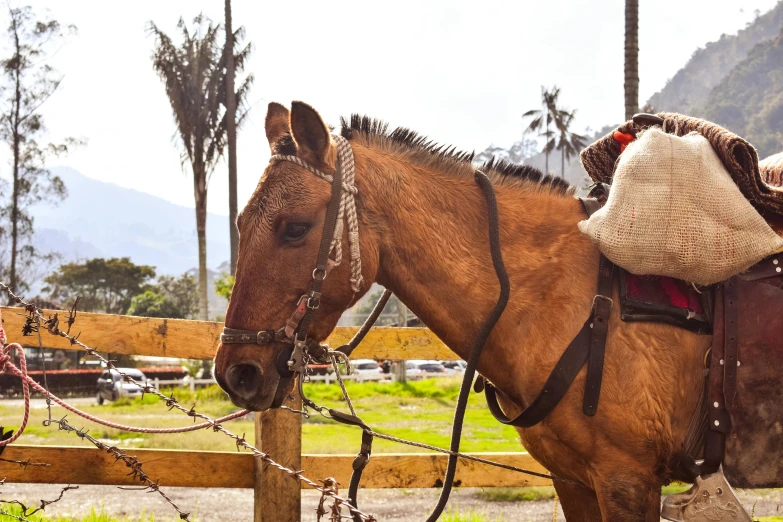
x,y
277,497
122,334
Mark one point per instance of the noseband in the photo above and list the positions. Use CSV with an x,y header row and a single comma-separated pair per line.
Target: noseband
x,y
342,206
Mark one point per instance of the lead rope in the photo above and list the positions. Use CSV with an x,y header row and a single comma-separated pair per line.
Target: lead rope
x,y
478,343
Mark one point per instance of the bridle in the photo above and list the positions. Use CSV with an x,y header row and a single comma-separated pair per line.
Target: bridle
x,y
342,204
300,349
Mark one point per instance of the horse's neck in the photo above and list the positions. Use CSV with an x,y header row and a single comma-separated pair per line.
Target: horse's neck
x,y
435,256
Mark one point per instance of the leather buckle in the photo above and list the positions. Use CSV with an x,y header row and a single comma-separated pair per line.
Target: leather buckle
x,y
314,300
602,305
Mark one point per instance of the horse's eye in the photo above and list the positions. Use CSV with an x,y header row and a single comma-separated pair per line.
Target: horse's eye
x,y
295,231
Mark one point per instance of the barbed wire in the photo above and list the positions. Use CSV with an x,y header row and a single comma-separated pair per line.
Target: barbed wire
x,y
133,464
24,463
36,318
15,517
26,512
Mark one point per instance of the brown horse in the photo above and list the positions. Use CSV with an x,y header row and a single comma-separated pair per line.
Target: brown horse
x,y
423,235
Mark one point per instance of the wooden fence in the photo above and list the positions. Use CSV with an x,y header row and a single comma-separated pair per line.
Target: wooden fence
x,y
277,496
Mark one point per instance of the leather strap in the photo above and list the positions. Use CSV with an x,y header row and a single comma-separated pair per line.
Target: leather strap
x,y
588,345
602,308
554,389
347,349
361,460
600,313
719,420
731,314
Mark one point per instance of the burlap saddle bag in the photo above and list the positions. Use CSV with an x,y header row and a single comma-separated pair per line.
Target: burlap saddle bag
x,y
675,211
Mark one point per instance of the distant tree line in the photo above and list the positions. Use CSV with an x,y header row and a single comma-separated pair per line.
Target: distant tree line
x,y
118,286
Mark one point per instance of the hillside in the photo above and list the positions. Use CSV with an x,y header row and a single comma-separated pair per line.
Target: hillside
x,y
749,100
104,219
100,219
689,89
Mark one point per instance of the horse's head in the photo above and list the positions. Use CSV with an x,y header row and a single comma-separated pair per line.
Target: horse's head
x,y
281,230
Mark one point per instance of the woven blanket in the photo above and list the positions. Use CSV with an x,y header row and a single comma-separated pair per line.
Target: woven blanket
x,y
761,184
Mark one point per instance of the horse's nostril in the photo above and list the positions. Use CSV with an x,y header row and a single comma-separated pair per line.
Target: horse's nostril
x,y
244,380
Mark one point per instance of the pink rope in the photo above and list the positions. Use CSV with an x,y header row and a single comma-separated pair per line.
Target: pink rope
x,y
7,366
5,362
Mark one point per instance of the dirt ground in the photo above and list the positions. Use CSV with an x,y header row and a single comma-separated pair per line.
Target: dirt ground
x,y
236,505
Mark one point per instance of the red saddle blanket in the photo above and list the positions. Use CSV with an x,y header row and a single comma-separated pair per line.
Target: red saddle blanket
x,y
663,299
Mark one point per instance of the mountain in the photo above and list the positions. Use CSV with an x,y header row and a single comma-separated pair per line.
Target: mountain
x,y
735,82
688,90
749,100
100,219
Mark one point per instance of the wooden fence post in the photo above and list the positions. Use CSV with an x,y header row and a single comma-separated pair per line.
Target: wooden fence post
x,y
278,496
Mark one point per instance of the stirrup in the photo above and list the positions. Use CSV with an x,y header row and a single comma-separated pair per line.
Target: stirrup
x,y
711,499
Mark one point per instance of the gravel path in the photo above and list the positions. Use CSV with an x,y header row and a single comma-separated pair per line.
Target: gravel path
x,y
236,505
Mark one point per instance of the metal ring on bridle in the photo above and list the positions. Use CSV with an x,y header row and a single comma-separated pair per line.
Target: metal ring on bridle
x,y
320,271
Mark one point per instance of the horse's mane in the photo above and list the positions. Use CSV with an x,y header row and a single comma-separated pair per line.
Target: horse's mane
x,y
425,151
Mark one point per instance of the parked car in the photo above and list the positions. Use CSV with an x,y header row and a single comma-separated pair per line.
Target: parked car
x,y
111,385
422,369
454,366
366,366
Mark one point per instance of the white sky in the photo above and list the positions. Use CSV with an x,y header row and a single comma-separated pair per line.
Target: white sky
x,y
459,71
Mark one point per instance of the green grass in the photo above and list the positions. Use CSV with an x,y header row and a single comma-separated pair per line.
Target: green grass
x,y
93,516
471,516
422,411
548,493
517,494
674,488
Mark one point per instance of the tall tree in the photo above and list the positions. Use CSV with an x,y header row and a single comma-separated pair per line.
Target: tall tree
x,y
543,119
28,82
231,111
106,285
631,58
569,143
194,76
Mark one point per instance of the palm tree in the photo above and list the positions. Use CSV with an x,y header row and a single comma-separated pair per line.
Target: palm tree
x,y
193,73
231,111
631,58
570,143
543,119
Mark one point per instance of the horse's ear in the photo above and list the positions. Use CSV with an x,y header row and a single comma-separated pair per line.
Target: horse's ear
x,y
310,132
277,124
